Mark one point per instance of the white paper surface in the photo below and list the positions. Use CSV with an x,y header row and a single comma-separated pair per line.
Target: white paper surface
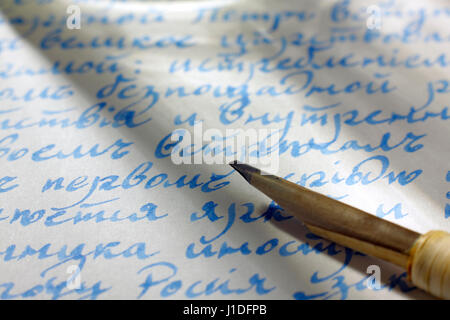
x,y
86,183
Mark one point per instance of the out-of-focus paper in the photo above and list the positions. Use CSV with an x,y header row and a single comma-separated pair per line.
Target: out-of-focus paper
x,y
94,203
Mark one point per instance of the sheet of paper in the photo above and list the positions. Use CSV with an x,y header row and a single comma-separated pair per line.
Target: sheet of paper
x,y
93,201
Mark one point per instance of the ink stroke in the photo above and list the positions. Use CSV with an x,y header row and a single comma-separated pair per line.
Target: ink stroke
x,y
92,203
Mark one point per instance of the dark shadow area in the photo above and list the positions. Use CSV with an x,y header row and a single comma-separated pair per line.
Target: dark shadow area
x,y
146,137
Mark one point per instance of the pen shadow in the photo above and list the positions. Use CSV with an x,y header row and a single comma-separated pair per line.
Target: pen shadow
x,y
145,138
149,136
390,274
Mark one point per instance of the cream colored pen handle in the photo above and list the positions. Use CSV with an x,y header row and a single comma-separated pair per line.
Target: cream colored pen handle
x,y
429,263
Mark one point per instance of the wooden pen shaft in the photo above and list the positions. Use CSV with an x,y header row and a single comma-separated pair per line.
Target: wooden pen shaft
x,y
425,257
320,211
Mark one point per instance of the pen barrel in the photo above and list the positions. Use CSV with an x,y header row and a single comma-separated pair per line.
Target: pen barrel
x,y
429,263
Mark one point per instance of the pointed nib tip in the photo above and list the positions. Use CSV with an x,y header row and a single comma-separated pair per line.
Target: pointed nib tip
x,y
235,165
244,170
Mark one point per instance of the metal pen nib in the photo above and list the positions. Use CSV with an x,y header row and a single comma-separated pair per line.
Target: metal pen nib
x,y
334,220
